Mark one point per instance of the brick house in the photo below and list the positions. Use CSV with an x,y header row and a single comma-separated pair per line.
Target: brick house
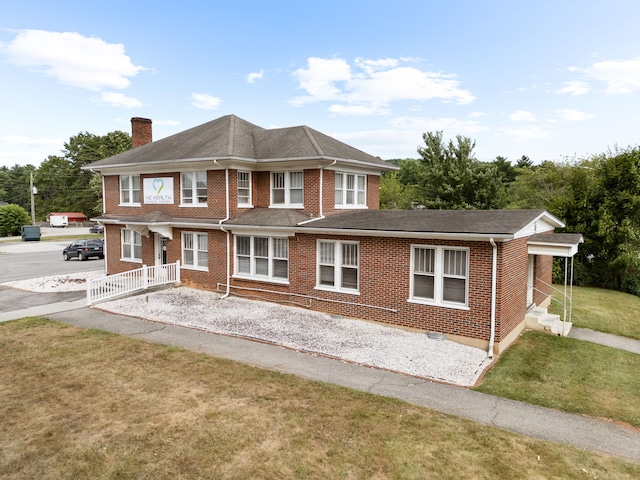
x,y
292,215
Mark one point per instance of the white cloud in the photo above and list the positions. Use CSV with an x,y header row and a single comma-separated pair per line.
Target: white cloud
x,y
569,115
370,86
574,88
476,114
530,132
252,77
116,99
204,101
522,116
620,76
34,142
72,59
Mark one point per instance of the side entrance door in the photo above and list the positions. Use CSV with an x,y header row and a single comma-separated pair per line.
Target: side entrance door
x,y
160,249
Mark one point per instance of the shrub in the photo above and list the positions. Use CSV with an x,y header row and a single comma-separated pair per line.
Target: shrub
x,y
12,218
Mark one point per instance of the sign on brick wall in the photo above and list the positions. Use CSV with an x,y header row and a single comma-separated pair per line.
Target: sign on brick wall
x,y
158,190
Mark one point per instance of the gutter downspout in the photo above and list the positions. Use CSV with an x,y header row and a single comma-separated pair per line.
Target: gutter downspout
x,y
226,175
494,274
321,187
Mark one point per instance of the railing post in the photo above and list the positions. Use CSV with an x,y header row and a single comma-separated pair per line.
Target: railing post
x,y
144,277
88,291
178,271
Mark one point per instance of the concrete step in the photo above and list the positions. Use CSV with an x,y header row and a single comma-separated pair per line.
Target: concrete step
x,y
540,319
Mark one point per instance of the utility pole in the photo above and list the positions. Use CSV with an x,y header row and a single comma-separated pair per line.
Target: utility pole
x,y
33,204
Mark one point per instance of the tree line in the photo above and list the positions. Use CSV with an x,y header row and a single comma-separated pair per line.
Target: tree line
x,y
62,185
598,197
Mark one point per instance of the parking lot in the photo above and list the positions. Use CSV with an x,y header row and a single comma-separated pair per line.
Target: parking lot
x,y
23,260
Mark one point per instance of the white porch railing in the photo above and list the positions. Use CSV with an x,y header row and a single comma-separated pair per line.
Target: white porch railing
x,y
120,284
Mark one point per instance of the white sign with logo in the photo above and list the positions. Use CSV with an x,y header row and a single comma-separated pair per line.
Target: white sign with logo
x,y
158,190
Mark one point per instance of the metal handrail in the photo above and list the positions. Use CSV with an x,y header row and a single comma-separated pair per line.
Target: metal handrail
x,y
567,298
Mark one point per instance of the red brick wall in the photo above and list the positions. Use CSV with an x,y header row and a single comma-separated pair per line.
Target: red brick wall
x,y
542,270
511,297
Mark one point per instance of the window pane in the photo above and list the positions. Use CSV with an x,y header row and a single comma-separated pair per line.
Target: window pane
x,y
361,198
296,196
350,182
423,286
244,265
361,182
126,250
349,197
327,253
262,266
339,177
137,251
280,248
296,179
281,268
338,197
243,245
327,275
277,180
201,187
454,290
423,260
350,278
188,257
202,243
455,262
350,254
203,260
136,196
278,197
261,247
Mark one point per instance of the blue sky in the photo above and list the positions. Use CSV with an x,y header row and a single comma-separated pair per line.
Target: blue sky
x,y
552,80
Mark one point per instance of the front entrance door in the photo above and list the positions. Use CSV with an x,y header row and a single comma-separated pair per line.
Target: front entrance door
x,y
160,249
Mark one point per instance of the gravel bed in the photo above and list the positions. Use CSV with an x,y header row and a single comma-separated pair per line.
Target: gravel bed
x,y
71,282
300,329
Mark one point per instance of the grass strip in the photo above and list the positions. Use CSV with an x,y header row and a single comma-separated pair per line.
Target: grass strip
x,y
82,403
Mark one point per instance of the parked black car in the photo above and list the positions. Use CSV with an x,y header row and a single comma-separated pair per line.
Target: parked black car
x,y
97,229
83,249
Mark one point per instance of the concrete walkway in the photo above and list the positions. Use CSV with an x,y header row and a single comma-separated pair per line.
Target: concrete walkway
x,y
582,432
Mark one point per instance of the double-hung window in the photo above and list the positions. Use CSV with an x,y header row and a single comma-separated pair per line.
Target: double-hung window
x,y
193,188
351,190
244,189
287,189
264,258
439,275
195,250
130,190
131,243
338,266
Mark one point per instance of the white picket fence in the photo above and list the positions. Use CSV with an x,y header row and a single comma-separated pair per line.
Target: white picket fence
x,y
121,284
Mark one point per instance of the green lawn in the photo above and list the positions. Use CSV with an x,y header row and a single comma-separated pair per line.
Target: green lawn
x,y
575,376
604,311
80,403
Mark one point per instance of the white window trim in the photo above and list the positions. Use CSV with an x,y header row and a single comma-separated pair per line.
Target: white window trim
x,y
287,190
248,204
337,278
195,252
194,190
252,275
132,245
130,190
439,278
343,205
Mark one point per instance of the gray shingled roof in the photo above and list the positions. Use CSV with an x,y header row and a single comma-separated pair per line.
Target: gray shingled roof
x,y
557,238
505,222
269,217
233,137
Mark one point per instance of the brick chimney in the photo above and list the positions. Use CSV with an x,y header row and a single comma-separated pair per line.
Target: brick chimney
x,y
140,131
